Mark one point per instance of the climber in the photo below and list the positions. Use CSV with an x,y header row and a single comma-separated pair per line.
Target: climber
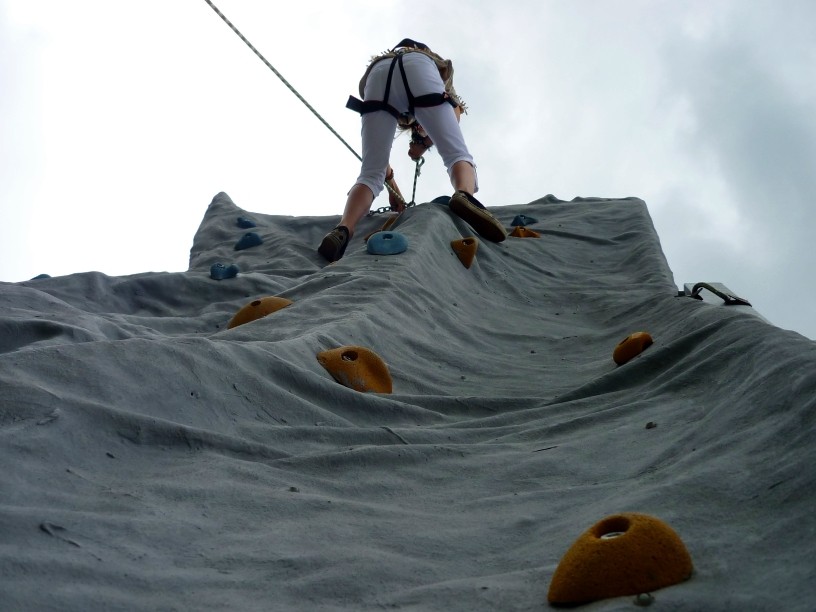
x,y
413,87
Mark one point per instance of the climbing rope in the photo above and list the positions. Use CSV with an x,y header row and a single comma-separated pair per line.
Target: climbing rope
x,y
302,99
280,76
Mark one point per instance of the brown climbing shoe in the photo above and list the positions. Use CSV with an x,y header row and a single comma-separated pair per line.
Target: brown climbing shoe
x,y
471,210
334,243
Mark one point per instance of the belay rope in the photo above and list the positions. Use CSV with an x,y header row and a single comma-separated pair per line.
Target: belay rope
x,y
419,163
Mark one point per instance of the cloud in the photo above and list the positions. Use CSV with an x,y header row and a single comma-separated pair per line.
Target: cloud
x,y
749,141
752,124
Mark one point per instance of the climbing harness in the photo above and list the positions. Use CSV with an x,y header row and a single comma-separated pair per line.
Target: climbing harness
x,y
294,91
427,100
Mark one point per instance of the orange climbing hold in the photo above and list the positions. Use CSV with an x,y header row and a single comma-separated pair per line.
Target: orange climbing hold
x,y
258,309
465,249
624,554
523,232
631,346
358,368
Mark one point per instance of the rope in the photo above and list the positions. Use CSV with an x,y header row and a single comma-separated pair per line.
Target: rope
x,y
280,76
294,91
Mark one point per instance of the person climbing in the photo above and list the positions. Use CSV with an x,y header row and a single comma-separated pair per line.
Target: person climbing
x,y
410,87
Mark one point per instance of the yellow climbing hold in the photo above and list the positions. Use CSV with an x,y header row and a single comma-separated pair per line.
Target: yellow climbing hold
x,y
631,346
523,232
465,249
357,367
624,554
258,309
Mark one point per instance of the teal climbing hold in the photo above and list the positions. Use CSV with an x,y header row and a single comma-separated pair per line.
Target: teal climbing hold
x,y
441,200
245,223
247,241
523,220
219,271
386,243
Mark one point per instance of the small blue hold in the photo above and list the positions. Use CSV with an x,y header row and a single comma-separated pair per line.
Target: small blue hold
x,y
523,220
248,240
441,200
41,276
219,271
386,243
245,223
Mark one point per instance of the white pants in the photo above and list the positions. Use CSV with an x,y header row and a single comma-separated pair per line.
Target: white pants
x,y
378,128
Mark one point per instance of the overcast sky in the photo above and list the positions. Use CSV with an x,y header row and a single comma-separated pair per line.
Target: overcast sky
x,y
121,120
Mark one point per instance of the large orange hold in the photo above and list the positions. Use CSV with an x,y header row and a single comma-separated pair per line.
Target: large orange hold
x,y
257,309
465,250
624,554
357,367
631,346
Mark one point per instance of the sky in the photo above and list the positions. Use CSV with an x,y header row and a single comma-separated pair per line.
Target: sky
x,y
119,122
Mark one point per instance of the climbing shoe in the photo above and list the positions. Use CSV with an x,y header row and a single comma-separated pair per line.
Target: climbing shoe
x,y
334,243
471,210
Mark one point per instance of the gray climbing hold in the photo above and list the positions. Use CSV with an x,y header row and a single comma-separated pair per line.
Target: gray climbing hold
x,y
247,241
523,220
219,271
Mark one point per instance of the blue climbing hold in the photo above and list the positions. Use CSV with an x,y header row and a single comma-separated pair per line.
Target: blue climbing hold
x,y
219,271
441,200
41,276
386,243
523,220
245,223
248,240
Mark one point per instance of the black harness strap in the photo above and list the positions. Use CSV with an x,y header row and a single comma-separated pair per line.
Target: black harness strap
x,y
391,75
405,84
370,106
433,99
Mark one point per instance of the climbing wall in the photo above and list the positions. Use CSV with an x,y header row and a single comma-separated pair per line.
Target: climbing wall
x,y
451,425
